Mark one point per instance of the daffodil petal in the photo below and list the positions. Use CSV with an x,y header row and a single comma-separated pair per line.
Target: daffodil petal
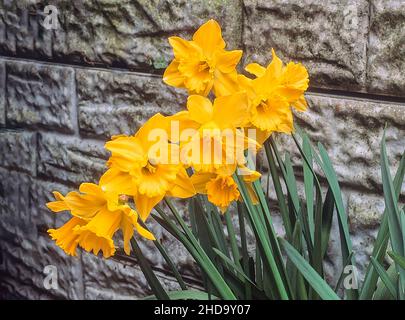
x,y
172,76
182,187
255,69
64,236
209,37
200,108
227,60
231,111
144,205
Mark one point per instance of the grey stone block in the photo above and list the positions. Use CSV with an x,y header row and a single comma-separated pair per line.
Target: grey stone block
x,y
119,103
70,160
24,264
118,33
328,37
40,96
117,278
40,194
18,149
386,50
25,250
15,222
351,131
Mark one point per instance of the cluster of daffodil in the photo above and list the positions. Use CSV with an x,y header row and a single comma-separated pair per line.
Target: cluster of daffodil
x,y
220,100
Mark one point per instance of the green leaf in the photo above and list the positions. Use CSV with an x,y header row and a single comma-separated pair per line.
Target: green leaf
x,y
279,190
315,254
204,232
297,282
398,259
218,228
262,239
258,267
330,174
264,212
327,215
291,182
345,241
237,268
384,277
168,260
150,276
232,237
193,220
391,204
342,274
171,265
381,243
245,255
313,278
309,183
198,253
381,292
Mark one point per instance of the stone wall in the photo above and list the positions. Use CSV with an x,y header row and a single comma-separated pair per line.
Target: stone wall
x,y
64,91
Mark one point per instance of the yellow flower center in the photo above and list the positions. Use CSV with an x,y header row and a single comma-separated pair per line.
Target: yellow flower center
x,y
263,106
221,191
149,168
203,65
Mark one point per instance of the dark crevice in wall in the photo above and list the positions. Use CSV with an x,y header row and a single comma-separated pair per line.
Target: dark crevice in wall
x,y
364,96
370,12
334,92
67,62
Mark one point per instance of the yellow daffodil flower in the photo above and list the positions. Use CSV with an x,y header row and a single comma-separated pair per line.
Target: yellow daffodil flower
x,y
202,63
146,168
97,216
209,138
272,92
215,138
220,187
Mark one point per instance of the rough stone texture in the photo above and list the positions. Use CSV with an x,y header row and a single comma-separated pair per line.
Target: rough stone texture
x,y
118,278
118,102
70,160
16,150
117,33
351,131
329,37
59,103
23,266
41,193
387,47
24,250
14,202
40,95
2,94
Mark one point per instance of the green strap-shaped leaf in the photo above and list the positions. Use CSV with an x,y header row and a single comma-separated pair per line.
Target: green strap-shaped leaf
x,y
312,277
381,243
384,277
391,204
150,276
